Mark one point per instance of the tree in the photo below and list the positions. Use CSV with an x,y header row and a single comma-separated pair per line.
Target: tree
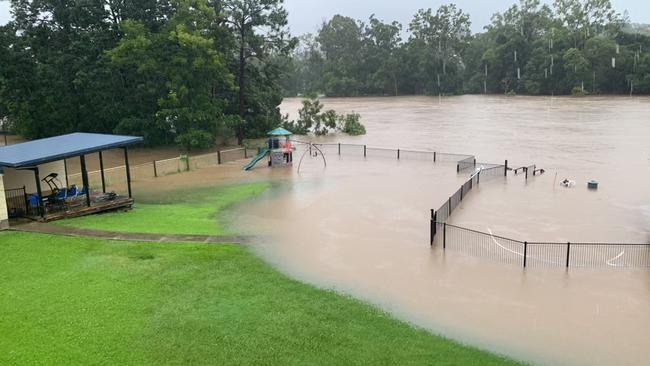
x,y
341,42
442,38
259,28
177,71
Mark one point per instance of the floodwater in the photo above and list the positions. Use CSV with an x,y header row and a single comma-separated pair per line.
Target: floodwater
x,y
361,225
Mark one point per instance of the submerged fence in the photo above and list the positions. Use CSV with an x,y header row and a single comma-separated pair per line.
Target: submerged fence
x,y
541,254
395,153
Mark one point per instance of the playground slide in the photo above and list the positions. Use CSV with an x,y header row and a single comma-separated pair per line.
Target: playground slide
x,y
256,159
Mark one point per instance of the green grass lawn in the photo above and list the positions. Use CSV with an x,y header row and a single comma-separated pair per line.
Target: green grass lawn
x,y
78,301
191,211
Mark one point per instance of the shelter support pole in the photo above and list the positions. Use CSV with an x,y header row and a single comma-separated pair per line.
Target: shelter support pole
x,y
84,178
128,171
65,169
39,193
101,169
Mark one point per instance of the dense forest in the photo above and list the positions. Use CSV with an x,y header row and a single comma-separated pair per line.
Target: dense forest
x,y
573,46
198,72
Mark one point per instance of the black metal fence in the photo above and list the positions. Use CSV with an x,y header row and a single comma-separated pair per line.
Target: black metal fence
x,y
17,202
359,150
539,254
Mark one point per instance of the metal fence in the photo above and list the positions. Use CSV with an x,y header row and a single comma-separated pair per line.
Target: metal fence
x,y
358,150
541,254
17,202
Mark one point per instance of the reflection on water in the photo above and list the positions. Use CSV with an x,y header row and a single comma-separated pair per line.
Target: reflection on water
x,y
361,226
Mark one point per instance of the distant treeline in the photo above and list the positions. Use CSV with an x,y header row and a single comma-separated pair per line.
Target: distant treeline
x,y
573,46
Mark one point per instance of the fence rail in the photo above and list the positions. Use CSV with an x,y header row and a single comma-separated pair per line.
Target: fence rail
x,y
542,254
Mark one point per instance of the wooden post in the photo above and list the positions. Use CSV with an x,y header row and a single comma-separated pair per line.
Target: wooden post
x,y
155,169
219,157
245,153
568,254
101,168
84,178
525,253
505,174
128,171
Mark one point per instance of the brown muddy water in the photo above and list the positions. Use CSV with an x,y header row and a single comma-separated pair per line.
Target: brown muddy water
x,y
360,226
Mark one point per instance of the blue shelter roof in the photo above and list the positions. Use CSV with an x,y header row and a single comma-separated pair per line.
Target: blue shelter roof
x,y
280,132
32,153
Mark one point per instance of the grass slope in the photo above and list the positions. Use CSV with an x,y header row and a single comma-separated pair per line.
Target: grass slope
x,y
193,212
76,301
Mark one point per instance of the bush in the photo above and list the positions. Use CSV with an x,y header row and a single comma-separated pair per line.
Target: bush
x,y
351,124
195,139
577,91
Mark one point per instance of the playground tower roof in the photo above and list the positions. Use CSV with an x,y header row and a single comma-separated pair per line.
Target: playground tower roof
x,y
280,132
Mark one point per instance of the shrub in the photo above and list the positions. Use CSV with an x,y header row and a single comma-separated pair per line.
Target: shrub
x,y
195,139
351,124
577,91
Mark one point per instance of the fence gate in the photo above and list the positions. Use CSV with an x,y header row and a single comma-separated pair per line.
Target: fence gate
x,y
17,202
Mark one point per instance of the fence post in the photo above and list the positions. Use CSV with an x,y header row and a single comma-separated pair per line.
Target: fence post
x,y
444,236
457,168
339,148
433,227
434,156
505,174
474,163
398,154
526,173
478,178
364,150
449,207
155,170
218,157
525,253
245,153
568,254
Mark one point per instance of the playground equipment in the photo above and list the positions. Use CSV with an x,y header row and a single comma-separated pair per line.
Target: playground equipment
x,y
280,150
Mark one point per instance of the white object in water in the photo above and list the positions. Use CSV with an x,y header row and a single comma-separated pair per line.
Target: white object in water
x,y
567,183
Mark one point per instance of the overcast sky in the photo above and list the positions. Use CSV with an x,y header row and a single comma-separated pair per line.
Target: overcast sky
x,y
307,15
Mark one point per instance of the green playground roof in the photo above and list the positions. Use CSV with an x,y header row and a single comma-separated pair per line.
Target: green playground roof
x,y
280,132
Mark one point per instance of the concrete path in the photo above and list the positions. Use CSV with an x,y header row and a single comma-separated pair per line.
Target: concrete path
x,y
44,228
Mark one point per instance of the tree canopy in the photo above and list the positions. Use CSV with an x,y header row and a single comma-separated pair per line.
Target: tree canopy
x,y
531,48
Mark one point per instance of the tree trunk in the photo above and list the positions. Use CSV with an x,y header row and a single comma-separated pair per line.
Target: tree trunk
x,y
242,70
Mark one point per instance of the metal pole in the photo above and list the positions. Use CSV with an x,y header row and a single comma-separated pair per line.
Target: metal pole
x,y
432,228
365,148
65,169
339,148
84,178
505,174
525,253
434,156
398,154
39,193
128,171
449,207
444,236
101,168
568,254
